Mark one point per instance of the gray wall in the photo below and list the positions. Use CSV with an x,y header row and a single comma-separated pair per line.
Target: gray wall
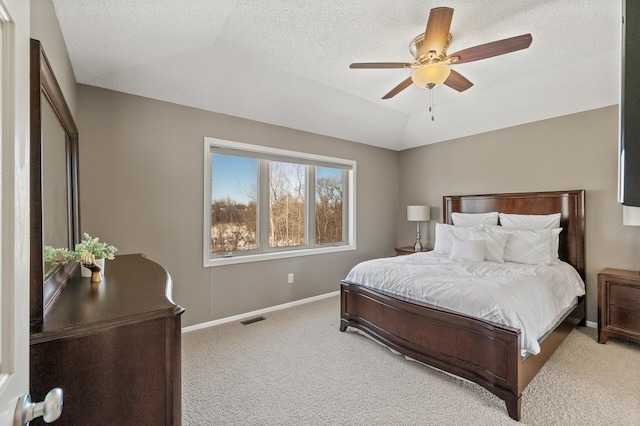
x,y
45,27
141,189
578,151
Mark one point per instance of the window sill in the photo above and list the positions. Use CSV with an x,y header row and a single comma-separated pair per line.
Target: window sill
x,y
272,256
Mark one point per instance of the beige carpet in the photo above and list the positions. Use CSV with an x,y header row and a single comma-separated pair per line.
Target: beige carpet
x,y
296,368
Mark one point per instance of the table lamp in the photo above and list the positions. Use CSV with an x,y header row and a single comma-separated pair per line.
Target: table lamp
x,y
418,214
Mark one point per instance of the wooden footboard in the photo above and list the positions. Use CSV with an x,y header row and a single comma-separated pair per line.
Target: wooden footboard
x,y
481,351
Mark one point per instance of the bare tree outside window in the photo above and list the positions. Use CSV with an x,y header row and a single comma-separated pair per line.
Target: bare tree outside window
x,y
329,199
286,204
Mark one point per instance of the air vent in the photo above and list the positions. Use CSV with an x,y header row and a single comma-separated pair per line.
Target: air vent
x,y
252,320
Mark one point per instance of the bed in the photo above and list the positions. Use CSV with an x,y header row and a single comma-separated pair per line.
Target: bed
x,y
482,351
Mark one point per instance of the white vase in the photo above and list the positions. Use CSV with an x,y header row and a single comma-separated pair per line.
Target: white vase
x,y
86,272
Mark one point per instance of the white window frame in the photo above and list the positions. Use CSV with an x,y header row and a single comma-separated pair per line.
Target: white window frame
x,y
350,165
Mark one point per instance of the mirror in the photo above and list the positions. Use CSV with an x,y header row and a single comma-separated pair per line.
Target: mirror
x,y
55,191
54,207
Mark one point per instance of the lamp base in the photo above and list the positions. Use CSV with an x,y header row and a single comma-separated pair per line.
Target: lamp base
x,y
417,246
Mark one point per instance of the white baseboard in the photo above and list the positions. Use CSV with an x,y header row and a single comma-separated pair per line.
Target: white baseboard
x,y
240,317
258,312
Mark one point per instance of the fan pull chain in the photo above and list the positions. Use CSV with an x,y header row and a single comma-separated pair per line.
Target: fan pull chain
x,y
431,103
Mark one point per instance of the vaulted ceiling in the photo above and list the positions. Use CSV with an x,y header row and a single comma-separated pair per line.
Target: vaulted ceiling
x,y
286,62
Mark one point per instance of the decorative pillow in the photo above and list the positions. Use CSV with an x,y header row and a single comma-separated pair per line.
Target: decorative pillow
x,y
471,250
495,244
530,221
444,236
471,219
529,246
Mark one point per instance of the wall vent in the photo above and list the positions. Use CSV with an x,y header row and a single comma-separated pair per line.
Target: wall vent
x,y
252,320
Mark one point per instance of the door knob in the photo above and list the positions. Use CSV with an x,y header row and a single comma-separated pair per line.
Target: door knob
x,y
50,409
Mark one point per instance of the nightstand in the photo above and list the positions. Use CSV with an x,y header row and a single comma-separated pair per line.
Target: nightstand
x,y
618,305
401,251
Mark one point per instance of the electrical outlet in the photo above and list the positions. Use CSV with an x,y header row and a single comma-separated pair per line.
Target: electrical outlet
x,y
290,278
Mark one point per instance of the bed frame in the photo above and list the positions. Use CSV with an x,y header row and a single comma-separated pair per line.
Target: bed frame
x,y
484,352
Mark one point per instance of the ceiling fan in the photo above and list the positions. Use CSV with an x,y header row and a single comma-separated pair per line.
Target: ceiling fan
x,y
432,63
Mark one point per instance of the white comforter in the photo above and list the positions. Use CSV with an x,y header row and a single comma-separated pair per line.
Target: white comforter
x,y
528,297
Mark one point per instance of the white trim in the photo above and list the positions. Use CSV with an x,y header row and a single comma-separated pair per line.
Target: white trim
x,y
14,202
239,146
259,312
8,302
590,324
206,215
276,255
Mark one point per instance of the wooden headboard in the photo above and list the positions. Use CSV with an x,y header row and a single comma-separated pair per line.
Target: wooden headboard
x,y
569,203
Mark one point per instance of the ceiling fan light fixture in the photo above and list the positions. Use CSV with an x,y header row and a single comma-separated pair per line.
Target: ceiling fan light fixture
x,y
431,75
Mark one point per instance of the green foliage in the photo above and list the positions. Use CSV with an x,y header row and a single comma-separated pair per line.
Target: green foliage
x,y
56,256
94,246
100,250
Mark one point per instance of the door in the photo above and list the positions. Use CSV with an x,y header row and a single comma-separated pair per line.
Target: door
x,y
14,205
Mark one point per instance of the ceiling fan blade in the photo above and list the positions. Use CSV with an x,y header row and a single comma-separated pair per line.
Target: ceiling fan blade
x,y
381,65
399,88
494,48
457,82
437,31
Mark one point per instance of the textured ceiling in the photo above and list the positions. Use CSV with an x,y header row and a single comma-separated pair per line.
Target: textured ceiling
x,y
286,62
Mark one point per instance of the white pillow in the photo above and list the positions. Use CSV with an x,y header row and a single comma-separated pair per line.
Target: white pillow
x,y
529,246
471,219
444,236
471,250
555,245
443,239
495,244
530,221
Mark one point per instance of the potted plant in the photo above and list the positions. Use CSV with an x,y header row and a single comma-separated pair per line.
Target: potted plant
x,y
100,251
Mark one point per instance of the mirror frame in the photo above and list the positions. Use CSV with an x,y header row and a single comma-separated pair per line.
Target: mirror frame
x,y
44,290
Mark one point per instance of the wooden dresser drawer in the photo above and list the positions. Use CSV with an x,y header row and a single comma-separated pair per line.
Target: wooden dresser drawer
x,y
628,319
618,305
624,295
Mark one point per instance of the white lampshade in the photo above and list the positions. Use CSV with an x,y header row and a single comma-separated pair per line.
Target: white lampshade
x,y
631,216
418,213
431,75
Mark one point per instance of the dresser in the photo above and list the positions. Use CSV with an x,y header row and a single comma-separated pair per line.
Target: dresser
x,y
114,348
618,305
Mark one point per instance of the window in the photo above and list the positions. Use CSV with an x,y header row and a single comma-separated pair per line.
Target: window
x,y
264,203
